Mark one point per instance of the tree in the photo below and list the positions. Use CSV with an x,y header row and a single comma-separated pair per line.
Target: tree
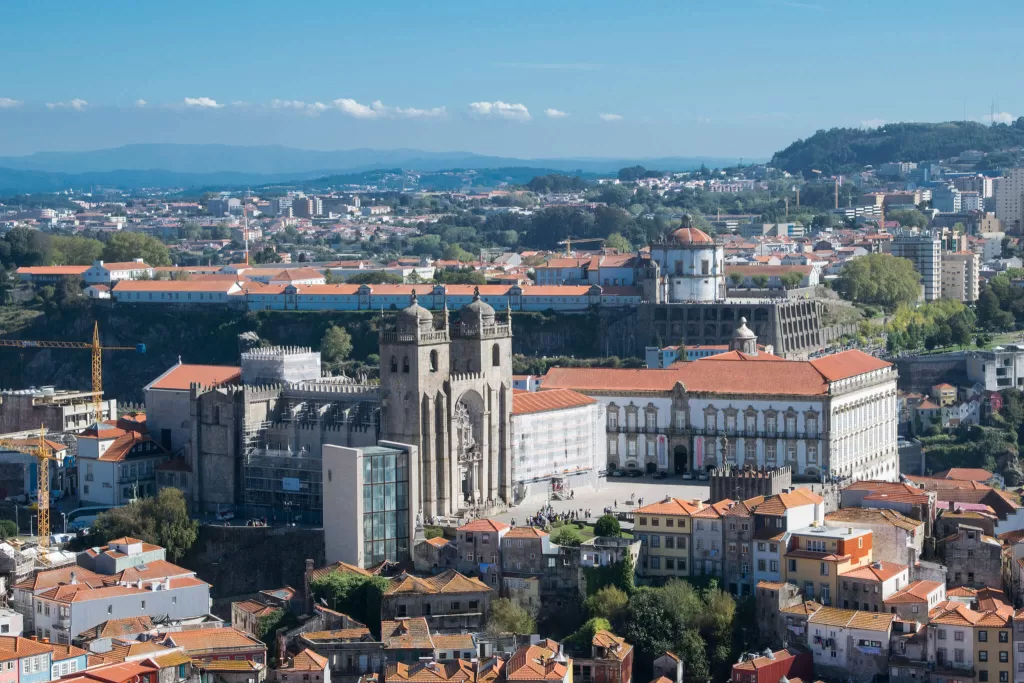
x,y
908,219
375,277
609,603
335,346
760,280
162,520
127,246
8,529
463,276
568,536
75,250
791,280
618,242
735,279
509,618
430,532
627,574
266,255
454,252
25,247
5,286
607,525
694,651
880,279
353,594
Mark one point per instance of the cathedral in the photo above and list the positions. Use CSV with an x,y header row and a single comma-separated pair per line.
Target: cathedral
x,y
447,389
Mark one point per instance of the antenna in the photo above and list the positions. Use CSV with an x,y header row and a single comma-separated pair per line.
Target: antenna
x,y
245,224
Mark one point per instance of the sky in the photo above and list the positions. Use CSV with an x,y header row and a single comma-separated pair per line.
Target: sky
x,y
736,78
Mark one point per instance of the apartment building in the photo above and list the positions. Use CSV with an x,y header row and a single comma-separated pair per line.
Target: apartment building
x,y
998,368
968,643
664,530
894,536
961,276
816,556
706,550
915,601
925,252
849,644
1009,192
774,518
867,587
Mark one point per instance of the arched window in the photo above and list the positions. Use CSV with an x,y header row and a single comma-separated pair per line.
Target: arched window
x,y
394,364
433,361
495,356
405,364
216,415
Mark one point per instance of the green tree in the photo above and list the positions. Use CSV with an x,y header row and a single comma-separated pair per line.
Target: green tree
x,y
5,286
454,252
25,247
162,520
353,594
464,276
879,279
375,277
266,255
608,603
8,529
509,618
75,250
908,219
791,280
568,536
760,280
618,242
627,574
694,651
430,532
735,279
607,525
127,246
335,346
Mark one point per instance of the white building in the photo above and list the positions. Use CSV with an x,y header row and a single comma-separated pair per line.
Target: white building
x,y
998,368
839,639
774,518
115,465
691,267
102,273
895,537
1009,191
961,276
558,438
834,415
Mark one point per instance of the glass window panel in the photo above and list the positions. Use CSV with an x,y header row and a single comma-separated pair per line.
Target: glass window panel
x,y
389,496
389,468
368,498
389,524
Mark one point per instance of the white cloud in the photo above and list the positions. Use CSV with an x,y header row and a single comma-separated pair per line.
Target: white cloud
x,y
239,103
202,103
555,114
379,110
872,123
611,117
140,103
8,103
287,104
998,117
499,109
76,104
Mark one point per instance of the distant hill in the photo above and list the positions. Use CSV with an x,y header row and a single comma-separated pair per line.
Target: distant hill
x,y
277,160
847,149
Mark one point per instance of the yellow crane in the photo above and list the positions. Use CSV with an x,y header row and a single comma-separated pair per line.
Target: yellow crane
x,y
97,359
42,453
568,242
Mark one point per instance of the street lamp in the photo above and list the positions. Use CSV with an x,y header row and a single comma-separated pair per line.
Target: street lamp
x,y
65,516
32,526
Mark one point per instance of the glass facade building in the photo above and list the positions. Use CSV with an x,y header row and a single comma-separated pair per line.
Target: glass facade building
x,y
385,482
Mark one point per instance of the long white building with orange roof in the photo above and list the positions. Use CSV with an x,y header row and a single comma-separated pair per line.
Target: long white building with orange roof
x,y
832,416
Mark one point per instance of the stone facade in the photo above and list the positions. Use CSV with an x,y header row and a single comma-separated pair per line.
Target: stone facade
x,y
973,559
448,391
738,536
741,483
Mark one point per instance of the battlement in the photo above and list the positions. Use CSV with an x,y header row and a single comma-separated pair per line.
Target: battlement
x,y
287,364
265,352
740,483
457,377
422,337
496,331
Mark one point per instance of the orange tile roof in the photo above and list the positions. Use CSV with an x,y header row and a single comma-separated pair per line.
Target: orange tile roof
x,y
341,568
56,577
876,571
52,270
254,608
16,647
874,515
615,646
918,591
343,634
870,621
228,665
966,474
197,284
526,532
447,582
113,628
307,660
430,672
846,364
182,376
484,525
544,401
405,634
125,265
535,663
455,641
670,506
206,639
780,502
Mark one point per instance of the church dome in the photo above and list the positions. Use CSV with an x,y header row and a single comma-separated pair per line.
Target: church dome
x,y
690,236
743,332
477,312
414,316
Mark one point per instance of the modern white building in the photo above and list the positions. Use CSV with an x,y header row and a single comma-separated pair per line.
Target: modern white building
x,y
117,465
103,273
371,503
961,276
691,267
558,440
998,368
925,252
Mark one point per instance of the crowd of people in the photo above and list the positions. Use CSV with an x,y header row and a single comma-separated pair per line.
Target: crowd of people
x,y
547,515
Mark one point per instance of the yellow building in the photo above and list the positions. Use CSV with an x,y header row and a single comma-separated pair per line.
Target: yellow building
x,y
664,528
816,555
977,637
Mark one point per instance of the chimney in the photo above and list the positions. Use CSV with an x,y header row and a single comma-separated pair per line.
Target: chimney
x,y
849,530
74,578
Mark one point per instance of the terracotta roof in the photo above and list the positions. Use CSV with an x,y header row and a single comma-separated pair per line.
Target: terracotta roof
x,y
535,663
755,663
123,265
544,401
206,639
227,665
917,591
430,672
307,660
341,568
447,582
670,506
780,502
438,541
456,641
966,474
52,270
846,364
484,525
174,658
874,515
870,621
405,634
526,532
114,628
56,577
615,647
343,634
691,236
805,608
254,607
16,647
182,376
876,571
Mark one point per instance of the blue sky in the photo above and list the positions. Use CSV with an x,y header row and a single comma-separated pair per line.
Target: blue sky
x,y
529,79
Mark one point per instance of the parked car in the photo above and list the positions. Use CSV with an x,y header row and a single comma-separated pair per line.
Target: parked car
x,y
702,476
661,474
617,473
636,472
688,476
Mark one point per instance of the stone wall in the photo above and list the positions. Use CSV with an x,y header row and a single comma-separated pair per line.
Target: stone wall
x,y
921,373
240,560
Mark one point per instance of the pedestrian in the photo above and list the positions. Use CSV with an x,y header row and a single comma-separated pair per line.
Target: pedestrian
x,y
616,502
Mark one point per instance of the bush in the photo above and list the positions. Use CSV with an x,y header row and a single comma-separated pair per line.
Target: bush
x,y
433,532
568,536
607,525
8,529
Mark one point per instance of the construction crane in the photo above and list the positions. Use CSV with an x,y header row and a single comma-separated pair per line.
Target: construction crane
x,y
97,359
568,242
41,452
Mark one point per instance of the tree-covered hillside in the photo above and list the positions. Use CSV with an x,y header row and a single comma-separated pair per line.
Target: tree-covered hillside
x,y
847,149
